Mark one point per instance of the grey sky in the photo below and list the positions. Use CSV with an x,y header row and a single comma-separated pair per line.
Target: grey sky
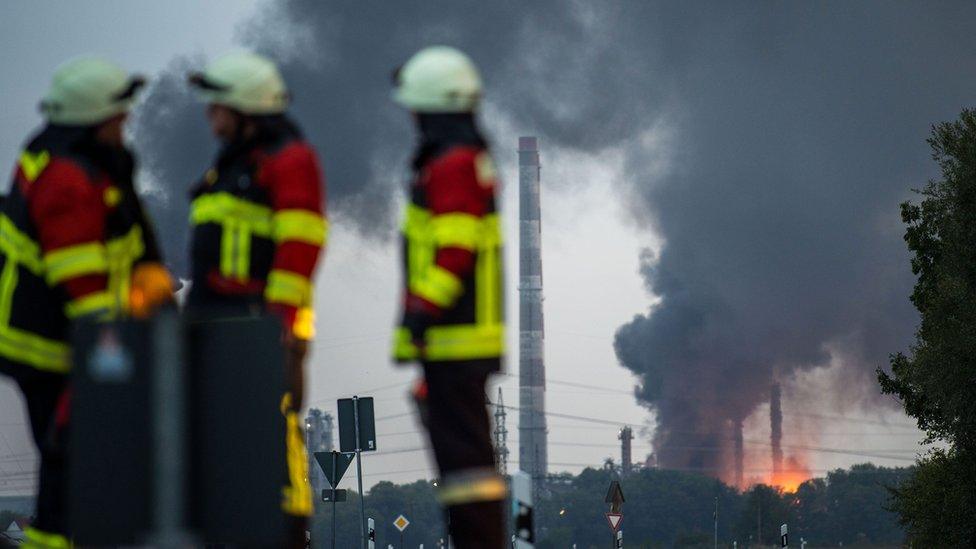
x,y
592,239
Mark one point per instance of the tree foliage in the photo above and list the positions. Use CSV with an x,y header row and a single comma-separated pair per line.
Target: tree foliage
x,y
936,379
663,509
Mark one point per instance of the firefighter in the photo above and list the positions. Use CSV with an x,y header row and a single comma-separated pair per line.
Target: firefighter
x,y
452,320
259,227
74,242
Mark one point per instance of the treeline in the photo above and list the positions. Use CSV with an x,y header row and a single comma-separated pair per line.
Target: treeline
x,y
663,509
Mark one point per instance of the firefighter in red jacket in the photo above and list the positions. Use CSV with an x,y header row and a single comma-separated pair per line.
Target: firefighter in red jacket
x,y
259,227
452,319
74,242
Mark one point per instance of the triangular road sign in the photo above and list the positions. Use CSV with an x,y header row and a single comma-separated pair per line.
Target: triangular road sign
x,y
614,519
334,461
615,497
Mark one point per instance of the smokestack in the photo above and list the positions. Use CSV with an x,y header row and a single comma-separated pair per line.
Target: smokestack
x,y
738,454
776,428
626,464
533,450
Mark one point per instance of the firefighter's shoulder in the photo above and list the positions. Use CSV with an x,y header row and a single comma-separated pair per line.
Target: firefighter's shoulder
x,y
296,158
464,164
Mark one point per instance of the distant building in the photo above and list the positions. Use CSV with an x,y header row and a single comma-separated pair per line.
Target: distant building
x,y
318,438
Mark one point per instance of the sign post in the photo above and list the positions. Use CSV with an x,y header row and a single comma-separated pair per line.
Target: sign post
x,y
524,537
371,535
401,524
357,433
784,536
615,497
334,465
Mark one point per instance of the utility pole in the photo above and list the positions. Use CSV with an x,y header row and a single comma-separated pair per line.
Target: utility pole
x,y
359,473
715,518
501,436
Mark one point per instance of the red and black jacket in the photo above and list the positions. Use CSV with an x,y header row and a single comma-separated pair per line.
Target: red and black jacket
x,y
452,294
258,227
72,229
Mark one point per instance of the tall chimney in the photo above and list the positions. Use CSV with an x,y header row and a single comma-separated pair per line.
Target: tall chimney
x,y
533,448
739,477
776,427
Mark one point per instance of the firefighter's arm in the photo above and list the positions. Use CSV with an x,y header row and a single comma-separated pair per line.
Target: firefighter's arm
x,y
69,212
299,230
458,194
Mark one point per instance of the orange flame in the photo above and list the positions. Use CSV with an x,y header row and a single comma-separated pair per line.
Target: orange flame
x,y
794,473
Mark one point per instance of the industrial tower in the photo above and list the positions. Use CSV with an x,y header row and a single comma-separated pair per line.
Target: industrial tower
x,y
626,459
533,446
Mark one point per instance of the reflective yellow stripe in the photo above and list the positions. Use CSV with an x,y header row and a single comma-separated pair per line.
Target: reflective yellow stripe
x,y
34,350
301,226
19,247
456,230
242,261
39,539
123,252
33,164
21,346
220,208
415,220
288,288
437,285
228,245
453,342
297,495
240,219
72,261
101,304
470,490
304,326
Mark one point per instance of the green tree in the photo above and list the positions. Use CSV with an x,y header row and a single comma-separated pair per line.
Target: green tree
x,y
936,379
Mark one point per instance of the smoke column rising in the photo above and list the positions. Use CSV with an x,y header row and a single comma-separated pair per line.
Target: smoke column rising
x,y
794,130
776,427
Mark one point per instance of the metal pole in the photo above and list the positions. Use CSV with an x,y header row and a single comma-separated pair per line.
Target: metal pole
x,y
169,435
359,469
335,460
715,516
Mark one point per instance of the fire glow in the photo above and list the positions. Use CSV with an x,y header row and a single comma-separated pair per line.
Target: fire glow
x,y
790,477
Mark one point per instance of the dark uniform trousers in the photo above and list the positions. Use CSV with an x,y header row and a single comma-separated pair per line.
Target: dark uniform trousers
x,y
460,433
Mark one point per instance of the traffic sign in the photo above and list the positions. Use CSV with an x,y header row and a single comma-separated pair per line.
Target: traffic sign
x,y
522,511
334,461
401,523
347,424
784,536
615,497
340,495
614,519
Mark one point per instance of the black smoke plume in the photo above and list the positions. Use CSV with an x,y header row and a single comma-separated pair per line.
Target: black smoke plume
x,y
794,129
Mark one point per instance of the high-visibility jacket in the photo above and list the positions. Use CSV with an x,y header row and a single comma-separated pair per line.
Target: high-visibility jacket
x,y
258,227
71,231
453,259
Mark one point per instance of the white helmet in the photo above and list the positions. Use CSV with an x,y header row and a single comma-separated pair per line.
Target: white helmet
x,y
89,90
246,82
438,79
